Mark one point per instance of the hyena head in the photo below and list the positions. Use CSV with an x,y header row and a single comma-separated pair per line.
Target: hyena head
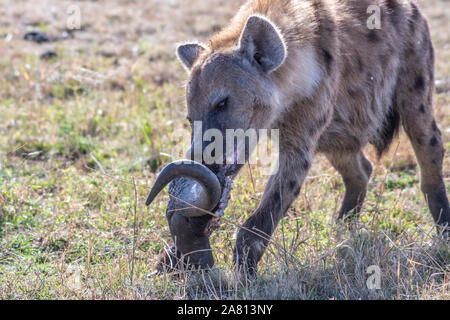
x,y
230,87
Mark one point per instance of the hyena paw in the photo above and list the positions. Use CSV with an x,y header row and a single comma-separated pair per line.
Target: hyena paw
x,y
247,255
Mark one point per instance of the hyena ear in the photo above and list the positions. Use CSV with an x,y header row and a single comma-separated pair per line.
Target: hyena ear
x,y
263,42
188,53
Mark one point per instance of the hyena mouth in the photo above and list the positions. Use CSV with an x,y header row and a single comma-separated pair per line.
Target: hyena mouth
x,y
234,162
226,196
219,211
226,173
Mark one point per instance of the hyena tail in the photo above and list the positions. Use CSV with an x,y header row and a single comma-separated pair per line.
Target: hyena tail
x,y
390,129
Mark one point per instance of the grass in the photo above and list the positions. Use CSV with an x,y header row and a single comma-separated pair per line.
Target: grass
x,y
84,133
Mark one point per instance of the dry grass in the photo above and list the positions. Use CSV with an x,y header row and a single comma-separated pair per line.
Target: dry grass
x,y
78,130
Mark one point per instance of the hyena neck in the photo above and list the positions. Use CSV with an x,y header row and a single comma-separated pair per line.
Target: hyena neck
x,y
299,77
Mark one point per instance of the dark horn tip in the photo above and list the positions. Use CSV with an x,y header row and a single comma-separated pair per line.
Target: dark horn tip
x,y
151,197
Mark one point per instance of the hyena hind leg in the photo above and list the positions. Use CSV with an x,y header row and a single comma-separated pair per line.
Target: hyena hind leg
x,y
415,96
356,170
426,139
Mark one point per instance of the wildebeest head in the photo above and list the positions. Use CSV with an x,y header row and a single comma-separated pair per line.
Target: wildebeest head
x,y
230,86
195,193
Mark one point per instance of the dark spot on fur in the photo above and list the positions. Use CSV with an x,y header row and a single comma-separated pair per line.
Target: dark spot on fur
x,y
292,185
276,198
422,108
434,141
297,191
415,12
419,85
373,36
419,141
323,121
329,27
306,165
412,26
317,4
384,59
352,118
414,19
435,128
409,52
328,59
393,12
352,93
360,65
392,4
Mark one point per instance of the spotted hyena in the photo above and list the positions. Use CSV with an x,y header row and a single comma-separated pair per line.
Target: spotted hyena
x,y
314,70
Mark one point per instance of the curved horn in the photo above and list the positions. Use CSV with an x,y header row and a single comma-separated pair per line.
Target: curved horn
x,y
212,189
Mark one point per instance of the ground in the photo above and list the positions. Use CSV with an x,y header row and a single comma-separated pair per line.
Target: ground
x,y
85,128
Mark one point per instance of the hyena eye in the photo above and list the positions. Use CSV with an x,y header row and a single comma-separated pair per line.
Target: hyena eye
x,y
190,120
222,104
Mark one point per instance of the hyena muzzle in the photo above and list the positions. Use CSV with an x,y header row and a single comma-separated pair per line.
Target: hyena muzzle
x,y
316,71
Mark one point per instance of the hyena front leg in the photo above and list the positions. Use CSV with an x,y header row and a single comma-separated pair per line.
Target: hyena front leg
x,y
282,189
355,169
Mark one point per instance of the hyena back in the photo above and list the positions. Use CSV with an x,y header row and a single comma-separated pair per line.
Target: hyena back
x,y
314,70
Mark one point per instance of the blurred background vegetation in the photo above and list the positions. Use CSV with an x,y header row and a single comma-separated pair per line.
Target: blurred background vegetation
x,y
86,120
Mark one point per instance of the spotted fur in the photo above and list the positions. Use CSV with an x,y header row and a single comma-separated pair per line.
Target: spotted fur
x,y
314,70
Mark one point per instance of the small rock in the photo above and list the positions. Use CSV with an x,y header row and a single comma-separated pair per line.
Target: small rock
x,y
38,37
50,54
